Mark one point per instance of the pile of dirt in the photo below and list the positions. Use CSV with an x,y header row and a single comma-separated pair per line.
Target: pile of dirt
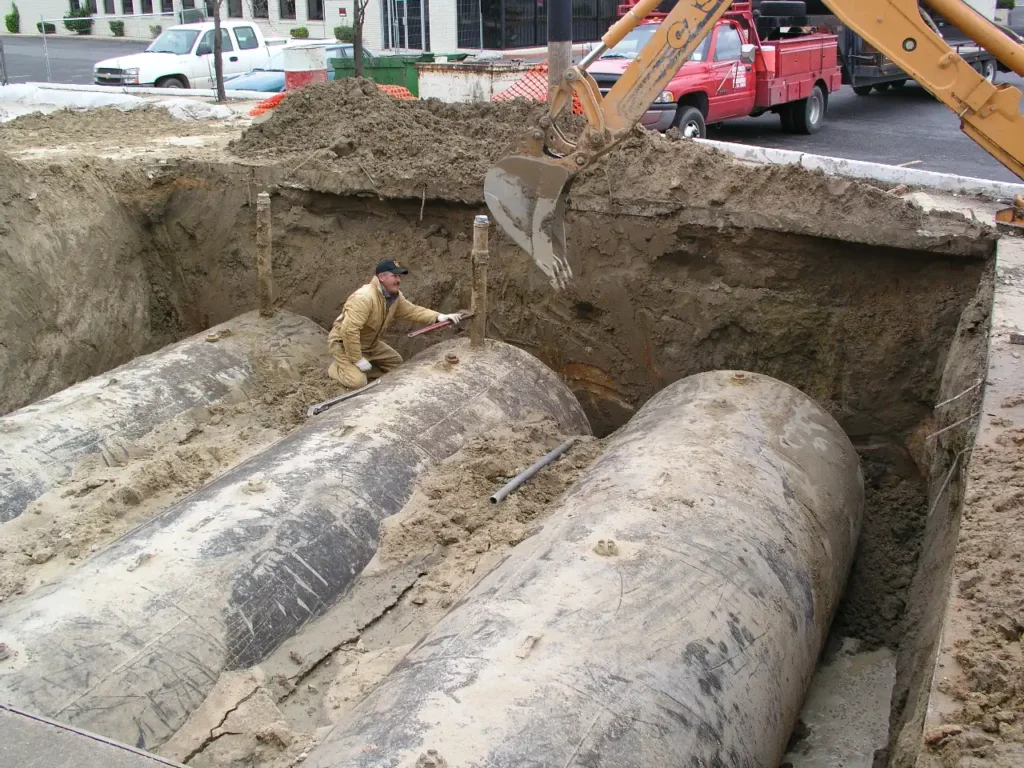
x,y
104,124
986,727
260,718
100,502
352,123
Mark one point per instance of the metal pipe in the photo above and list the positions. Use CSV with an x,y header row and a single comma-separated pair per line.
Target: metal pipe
x,y
478,306
499,496
982,31
670,612
318,408
593,56
559,41
46,50
3,65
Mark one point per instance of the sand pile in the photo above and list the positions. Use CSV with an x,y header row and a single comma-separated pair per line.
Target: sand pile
x,y
268,716
113,492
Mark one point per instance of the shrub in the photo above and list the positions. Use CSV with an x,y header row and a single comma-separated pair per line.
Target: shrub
x,y
13,20
345,34
117,28
79,21
50,28
300,32
155,30
1005,4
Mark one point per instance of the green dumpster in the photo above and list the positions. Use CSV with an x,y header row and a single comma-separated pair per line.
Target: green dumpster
x,y
391,70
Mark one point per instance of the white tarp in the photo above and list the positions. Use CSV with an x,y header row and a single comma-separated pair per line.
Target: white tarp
x,y
16,100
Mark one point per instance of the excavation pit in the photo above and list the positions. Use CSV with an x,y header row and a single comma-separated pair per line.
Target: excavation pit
x,y
690,262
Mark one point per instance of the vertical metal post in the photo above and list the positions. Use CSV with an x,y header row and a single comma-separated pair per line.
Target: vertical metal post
x,y
46,50
3,64
264,256
478,322
480,16
559,41
423,25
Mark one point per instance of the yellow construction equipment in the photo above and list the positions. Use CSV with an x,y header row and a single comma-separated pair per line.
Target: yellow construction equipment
x,y
526,192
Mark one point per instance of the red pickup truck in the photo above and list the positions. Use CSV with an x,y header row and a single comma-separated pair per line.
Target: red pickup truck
x,y
737,73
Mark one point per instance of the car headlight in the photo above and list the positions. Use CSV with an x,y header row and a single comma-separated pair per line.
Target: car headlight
x,y
130,75
665,97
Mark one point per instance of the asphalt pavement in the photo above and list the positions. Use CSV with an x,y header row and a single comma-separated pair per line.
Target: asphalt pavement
x,y
905,126
71,59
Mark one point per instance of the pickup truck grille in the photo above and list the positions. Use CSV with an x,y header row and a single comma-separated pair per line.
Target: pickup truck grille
x,y
106,76
605,82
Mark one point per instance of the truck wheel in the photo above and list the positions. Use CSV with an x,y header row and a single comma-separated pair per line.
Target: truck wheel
x,y
898,83
809,113
170,82
786,116
988,71
782,8
862,90
690,123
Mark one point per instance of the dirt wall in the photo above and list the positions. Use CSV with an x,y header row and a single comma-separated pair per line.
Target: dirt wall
x,y
75,299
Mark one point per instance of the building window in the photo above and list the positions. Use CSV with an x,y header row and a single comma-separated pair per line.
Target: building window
x,y
246,38
260,9
235,9
78,5
128,7
147,7
315,10
108,7
167,6
287,9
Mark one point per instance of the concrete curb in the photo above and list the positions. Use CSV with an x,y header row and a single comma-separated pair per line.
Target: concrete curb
x,y
101,38
859,169
169,93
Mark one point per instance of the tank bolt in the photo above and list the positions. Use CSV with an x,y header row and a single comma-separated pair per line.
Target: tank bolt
x,y
740,376
581,160
451,358
596,139
4,651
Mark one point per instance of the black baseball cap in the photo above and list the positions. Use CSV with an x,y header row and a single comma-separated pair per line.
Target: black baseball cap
x,y
391,266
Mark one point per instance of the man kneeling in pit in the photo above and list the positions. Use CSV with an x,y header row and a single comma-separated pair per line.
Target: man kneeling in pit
x,y
354,340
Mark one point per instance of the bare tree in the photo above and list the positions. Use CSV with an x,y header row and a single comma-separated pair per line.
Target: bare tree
x,y
359,15
218,62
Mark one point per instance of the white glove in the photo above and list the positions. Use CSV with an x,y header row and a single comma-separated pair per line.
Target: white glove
x,y
454,319
363,364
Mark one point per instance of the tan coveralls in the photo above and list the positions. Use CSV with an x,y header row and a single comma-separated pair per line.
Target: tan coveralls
x,y
357,330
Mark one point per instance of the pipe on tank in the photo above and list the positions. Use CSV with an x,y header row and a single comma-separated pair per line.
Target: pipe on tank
x,y
129,643
670,613
44,442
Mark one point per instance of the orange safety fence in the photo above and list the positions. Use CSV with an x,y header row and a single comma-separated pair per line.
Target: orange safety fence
x,y
397,91
534,85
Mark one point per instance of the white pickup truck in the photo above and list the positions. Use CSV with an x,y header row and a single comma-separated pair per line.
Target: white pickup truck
x,y
182,57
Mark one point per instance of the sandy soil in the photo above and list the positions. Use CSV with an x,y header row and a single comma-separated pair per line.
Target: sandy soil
x,y
100,127
445,539
112,492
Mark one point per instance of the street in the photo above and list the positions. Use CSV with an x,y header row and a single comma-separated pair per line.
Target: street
x,y
898,127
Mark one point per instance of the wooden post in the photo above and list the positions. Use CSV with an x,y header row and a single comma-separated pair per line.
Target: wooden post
x,y
478,322
264,256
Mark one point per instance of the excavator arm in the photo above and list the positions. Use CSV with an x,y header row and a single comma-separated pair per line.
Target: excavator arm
x,y
526,192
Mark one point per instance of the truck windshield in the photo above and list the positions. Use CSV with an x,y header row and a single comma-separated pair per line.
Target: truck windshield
x,y
178,41
631,45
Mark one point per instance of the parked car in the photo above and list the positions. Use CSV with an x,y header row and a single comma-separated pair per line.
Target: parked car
x,y
182,57
270,78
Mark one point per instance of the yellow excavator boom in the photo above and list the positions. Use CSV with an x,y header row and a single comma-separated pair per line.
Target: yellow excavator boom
x,y
526,192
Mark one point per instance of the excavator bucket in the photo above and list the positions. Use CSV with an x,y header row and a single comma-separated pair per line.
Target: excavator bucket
x,y
526,195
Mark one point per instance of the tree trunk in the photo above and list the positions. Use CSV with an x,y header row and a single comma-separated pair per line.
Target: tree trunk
x,y
357,35
218,62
